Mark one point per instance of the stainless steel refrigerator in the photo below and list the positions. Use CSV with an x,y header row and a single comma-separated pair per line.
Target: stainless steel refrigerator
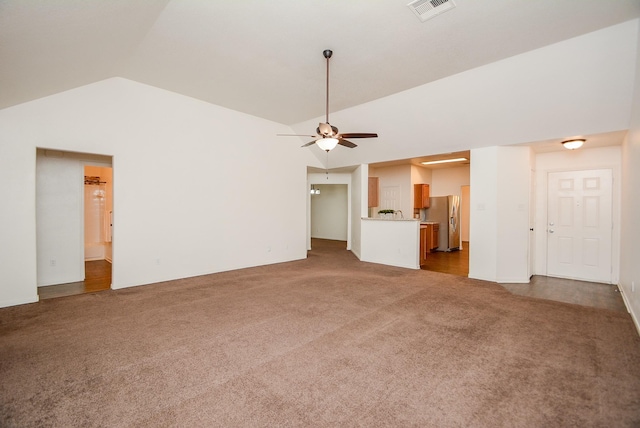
x,y
446,211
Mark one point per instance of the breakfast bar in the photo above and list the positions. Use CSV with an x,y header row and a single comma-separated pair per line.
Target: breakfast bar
x,y
394,242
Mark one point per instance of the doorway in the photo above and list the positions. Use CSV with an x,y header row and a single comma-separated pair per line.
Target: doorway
x,y
98,212
65,259
329,212
579,225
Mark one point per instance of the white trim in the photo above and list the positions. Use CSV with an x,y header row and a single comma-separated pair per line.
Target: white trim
x,y
14,302
629,309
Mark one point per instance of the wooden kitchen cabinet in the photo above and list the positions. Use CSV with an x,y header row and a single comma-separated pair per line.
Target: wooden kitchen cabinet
x,y
374,199
429,240
424,243
420,196
435,233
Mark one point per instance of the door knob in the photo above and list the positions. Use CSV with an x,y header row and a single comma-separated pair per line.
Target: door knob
x,y
550,230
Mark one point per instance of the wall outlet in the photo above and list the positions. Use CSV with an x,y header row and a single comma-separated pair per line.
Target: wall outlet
x,y
157,261
52,262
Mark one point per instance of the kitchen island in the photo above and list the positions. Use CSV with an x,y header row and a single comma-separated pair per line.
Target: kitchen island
x,y
391,242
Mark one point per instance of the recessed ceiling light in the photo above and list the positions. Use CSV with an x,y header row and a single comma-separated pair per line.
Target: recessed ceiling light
x,y
444,161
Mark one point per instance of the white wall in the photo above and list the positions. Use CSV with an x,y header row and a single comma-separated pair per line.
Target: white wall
x,y
447,181
500,214
329,213
630,206
420,175
359,206
512,216
395,177
483,230
189,183
574,160
582,85
59,218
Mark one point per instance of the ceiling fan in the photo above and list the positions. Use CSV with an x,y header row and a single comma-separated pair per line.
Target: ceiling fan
x,y
327,136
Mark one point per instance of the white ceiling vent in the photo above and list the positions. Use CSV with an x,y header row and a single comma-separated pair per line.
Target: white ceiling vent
x,y
427,9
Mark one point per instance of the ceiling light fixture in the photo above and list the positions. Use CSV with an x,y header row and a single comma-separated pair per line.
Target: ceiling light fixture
x,y
444,161
314,191
576,143
327,143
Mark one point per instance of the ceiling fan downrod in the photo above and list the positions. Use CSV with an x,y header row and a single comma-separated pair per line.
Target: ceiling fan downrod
x,y
327,54
328,136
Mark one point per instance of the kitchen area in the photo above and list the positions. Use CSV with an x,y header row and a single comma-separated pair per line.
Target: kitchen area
x,y
436,199
439,222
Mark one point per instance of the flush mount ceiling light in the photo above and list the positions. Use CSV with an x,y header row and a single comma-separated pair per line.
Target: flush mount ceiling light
x,y
444,161
576,143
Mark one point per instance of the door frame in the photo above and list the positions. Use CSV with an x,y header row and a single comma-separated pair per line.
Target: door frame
x,y
73,162
541,210
334,178
604,270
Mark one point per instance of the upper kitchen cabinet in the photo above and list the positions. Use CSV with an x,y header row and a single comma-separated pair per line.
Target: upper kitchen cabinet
x,y
374,199
420,196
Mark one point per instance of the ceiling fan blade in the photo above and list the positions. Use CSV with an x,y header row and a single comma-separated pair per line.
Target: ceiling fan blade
x,y
295,135
346,143
309,143
359,135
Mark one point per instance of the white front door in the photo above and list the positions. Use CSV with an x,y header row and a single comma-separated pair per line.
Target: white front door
x,y
579,225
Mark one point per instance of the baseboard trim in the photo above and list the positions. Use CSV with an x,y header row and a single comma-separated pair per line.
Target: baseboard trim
x,y
629,309
513,281
16,302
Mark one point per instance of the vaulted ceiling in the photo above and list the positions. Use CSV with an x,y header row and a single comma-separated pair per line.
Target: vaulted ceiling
x,y
265,58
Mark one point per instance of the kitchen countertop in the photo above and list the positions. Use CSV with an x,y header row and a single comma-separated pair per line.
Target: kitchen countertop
x,y
390,219
400,219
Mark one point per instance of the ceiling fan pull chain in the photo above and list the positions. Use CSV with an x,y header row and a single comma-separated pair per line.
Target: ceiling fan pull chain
x,y
327,165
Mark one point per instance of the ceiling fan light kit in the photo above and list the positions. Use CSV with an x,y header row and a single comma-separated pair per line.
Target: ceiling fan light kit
x,y
327,143
327,136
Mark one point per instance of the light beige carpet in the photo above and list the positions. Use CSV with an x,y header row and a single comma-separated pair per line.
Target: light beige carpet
x,y
327,341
